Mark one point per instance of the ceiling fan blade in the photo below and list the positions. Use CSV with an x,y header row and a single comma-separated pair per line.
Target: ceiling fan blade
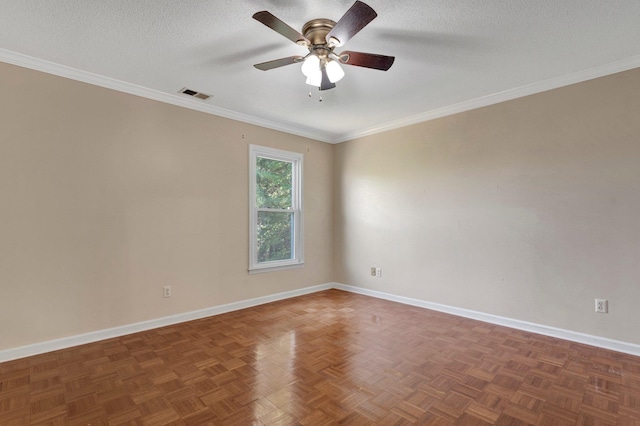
x,y
280,27
266,66
355,19
326,84
367,60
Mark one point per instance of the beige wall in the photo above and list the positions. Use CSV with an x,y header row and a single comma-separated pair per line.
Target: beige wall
x,y
527,209
107,197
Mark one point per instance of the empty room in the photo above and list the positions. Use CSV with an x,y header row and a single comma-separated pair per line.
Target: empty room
x,y
317,213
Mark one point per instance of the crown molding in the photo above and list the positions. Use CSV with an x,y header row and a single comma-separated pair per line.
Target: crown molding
x,y
507,95
134,89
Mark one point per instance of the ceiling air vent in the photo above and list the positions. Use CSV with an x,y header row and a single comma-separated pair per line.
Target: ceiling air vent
x,y
194,94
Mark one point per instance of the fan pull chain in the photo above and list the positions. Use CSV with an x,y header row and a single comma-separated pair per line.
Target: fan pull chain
x,y
320,98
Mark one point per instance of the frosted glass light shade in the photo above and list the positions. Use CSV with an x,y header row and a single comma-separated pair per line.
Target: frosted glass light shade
x,y
315,78
334,71
310,65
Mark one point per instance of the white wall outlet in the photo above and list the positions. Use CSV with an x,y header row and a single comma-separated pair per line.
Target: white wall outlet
x,y
166,291
373,271
602,306
378,272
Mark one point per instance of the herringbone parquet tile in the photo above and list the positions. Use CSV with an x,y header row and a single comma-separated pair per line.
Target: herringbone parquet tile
x,y
324,359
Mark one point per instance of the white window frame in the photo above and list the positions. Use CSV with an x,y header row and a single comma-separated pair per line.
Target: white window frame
x,y
295,158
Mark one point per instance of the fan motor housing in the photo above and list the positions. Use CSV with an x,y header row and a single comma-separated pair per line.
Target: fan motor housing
x,y
316,30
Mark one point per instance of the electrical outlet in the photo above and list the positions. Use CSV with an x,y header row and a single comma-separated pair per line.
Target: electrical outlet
x,y
378,272
602,306
373,271
166,291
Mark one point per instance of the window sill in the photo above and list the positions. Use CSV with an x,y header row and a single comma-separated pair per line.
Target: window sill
x,y
261,269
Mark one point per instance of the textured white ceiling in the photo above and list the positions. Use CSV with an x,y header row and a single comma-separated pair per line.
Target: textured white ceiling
x,y
447,52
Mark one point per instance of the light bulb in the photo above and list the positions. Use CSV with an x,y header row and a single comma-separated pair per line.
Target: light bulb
x,y
334,71
310,65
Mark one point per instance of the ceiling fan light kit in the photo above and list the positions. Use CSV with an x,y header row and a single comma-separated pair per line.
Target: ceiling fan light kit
x,y
321,66
312,69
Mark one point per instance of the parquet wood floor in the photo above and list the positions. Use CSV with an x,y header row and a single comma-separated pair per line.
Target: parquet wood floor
x,y
322,359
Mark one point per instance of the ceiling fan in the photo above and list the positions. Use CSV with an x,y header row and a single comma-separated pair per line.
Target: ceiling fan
x,y
321,65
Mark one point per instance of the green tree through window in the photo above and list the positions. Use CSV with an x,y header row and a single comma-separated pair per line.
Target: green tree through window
x,y
273,191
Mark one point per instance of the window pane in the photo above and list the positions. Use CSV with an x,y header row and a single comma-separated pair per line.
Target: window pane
x,y
273,183
274,236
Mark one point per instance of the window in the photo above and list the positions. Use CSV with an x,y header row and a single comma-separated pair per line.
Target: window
x,y
275,224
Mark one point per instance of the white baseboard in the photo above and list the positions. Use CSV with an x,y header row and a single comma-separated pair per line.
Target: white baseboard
x,y
602,342
94,336
81,339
